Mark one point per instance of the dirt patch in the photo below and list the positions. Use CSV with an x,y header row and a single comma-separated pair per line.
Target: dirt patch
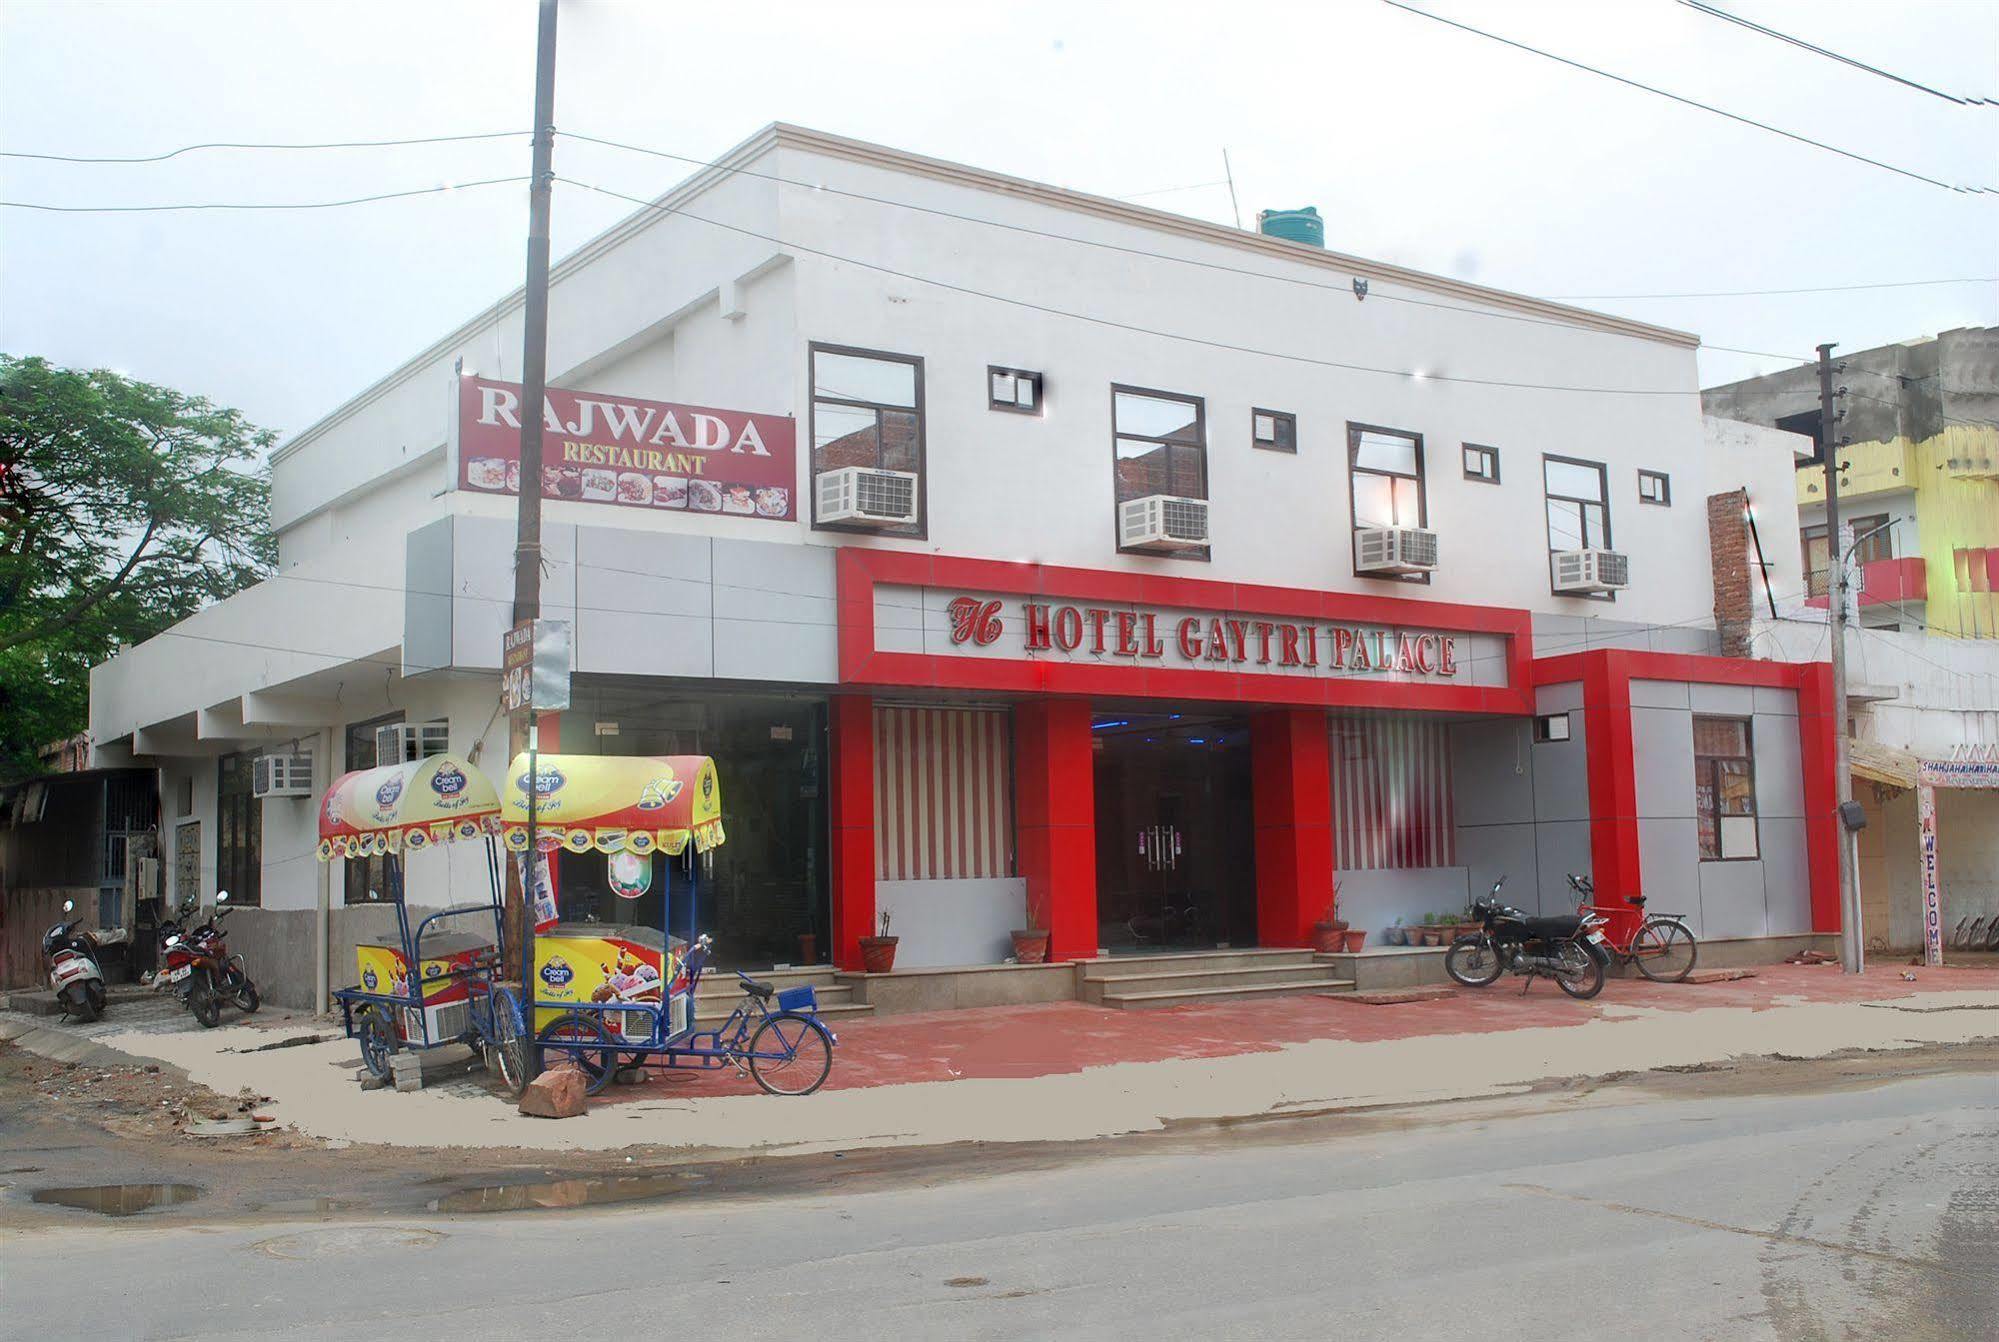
x,y
137,1103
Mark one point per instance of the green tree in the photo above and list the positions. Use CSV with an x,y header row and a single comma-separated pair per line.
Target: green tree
x,y
124,508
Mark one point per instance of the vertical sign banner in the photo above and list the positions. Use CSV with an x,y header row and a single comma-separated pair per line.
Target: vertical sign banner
x,y
534,667
543,888
1926,842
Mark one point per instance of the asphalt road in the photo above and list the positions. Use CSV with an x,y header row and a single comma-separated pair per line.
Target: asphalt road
x,y
1857,1211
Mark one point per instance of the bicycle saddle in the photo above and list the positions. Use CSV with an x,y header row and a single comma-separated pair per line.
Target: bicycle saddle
x,y
757,989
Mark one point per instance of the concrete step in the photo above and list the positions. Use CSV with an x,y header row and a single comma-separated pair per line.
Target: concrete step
x,y
714,1014
721,983
1192,996
1244,958
1207,977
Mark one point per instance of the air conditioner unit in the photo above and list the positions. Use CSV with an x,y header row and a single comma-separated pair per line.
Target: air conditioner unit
x,y
1162,522
402,742
281,776
865,496
1395,550
1591,571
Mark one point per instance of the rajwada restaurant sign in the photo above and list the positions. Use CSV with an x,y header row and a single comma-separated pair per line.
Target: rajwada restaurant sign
x,y
599,448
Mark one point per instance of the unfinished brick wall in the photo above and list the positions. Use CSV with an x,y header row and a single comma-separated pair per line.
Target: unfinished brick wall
x,y
1729,554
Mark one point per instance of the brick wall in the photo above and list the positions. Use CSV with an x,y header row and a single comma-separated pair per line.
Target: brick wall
x,y
1729,554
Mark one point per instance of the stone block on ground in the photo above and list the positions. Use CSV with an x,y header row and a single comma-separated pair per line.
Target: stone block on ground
x,y
1718,975
407,1071
560,1092
1391,997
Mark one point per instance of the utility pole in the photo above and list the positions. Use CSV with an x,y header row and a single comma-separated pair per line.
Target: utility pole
x,y
1851,942
521,728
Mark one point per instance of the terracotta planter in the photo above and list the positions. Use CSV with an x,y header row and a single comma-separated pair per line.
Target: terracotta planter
x,y
878,954
1432,937
808,948
1395,936
1030,948
1356,938
1328,938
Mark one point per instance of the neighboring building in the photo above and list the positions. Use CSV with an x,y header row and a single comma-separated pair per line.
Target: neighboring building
x,y
1130,568
66,837
1919,502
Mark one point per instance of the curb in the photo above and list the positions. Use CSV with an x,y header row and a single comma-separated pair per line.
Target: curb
x,y
62,1046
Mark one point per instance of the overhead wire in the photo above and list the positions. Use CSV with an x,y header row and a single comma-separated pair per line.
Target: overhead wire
x,y
441,189
248,145
1713,11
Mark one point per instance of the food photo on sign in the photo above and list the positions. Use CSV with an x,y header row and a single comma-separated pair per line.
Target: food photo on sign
x,y
630,453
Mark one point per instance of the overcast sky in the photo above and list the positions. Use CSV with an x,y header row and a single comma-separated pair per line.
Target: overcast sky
x,y
1420,144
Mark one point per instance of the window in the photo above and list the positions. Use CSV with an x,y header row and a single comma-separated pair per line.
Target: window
x,y
1808,423
1013,390
1273,430
1578,507
1875,541
1482,463
1159,446
1655,487
867,410
362,874
1386,468
239,826
1551,727
1724,789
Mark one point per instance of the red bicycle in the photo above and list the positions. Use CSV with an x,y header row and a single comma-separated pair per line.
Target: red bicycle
x,y
1658,943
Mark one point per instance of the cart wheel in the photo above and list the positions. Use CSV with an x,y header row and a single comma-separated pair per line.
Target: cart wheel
x,y
508,1047
790,1054
378,1042
580,1039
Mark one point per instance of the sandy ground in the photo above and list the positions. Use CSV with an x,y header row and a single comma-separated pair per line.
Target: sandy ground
x,y
311,1086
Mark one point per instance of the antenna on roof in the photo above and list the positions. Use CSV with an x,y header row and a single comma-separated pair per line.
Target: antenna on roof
x,y
1229,173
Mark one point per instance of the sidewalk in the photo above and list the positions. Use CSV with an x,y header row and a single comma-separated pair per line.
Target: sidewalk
x,y
1071,1071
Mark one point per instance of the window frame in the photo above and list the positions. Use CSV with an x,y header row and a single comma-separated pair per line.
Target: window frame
x,y
1665,499
356,871
813,349
1489,454
1710,764
1602,470
1354,431
1202,553
1883,538
1280,419
243,811
1014,407
1544,728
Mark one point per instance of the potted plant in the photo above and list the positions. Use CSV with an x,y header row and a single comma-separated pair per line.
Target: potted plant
x,y
1395,934
1356,938
878,952
1328,934
1432,934
1030,945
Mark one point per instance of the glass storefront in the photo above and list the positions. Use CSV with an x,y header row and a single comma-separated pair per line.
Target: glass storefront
x,y
764,892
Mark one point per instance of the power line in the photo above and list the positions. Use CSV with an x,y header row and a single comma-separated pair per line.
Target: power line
x,y
1691,102
242,205
1754,27
238,144
1764,293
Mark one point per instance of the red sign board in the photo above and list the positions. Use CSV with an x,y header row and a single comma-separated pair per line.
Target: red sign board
x,y
599,448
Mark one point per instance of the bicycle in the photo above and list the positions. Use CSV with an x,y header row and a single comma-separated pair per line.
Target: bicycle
x,y
1660,944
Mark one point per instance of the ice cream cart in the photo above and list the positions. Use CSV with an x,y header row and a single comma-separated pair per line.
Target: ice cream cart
x,y
614,998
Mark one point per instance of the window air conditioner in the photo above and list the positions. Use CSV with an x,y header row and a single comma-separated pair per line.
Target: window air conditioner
x,y
1591,571
1162,522
1395,550
281,776
866,496
402,742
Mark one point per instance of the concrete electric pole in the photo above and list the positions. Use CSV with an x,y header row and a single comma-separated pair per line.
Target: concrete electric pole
x,y
1852,956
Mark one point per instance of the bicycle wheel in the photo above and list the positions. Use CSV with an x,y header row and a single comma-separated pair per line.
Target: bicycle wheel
x,y
1581,975
1665,951
508,1045
579,1039
790,1055
378,1042
1472,961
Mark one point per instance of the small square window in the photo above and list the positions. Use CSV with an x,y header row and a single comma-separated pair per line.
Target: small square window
x,y
1013,390
1551,727
1482,463
1655,487
1273,430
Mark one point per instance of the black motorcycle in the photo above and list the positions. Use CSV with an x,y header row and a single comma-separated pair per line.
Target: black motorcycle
x,y
1565,949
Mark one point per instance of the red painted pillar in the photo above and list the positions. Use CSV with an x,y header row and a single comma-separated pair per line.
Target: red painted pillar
x,y
1818,762
1055,805
852,806
1292,798
1613,776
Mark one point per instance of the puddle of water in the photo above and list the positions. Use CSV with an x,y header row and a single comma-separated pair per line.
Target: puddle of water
x,y
119,1199
554,1193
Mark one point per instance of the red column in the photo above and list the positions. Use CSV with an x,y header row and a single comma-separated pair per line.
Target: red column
x,y
852,806
1292,797
1055,812
1821,788
1613,777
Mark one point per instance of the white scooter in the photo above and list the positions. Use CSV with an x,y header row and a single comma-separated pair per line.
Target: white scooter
x,y
73,973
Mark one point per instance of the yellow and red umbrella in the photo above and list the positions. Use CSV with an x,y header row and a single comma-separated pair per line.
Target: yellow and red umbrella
x,y
412,805
614,803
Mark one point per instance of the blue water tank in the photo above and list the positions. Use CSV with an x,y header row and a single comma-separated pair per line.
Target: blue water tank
x,y
1294,225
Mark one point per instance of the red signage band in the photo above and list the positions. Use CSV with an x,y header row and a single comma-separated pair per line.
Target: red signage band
x,y
632,453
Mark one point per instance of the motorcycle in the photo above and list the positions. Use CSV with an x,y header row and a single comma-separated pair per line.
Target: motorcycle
x,y
1567,949
200,970
71,957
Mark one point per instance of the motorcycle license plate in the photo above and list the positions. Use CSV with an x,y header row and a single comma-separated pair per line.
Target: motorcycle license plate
x,y
176,975
1597,936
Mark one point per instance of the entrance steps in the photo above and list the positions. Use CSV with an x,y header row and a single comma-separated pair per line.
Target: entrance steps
x,y
1134,981
720,990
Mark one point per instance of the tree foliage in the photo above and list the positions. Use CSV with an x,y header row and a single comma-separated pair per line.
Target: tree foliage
x,y
124,508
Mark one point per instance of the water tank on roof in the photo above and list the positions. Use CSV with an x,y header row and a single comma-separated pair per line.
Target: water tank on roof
x,y
1293,225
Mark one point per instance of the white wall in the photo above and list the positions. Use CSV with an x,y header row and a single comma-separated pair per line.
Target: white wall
x,y
943,923
1946,689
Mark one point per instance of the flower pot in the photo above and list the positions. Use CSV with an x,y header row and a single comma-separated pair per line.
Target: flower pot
x,y
1030,948
1356,938
878,954
1328,938
1394,936
1432,937
808,948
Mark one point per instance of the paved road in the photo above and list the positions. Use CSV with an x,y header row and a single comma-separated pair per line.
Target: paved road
x,y
1856,1212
